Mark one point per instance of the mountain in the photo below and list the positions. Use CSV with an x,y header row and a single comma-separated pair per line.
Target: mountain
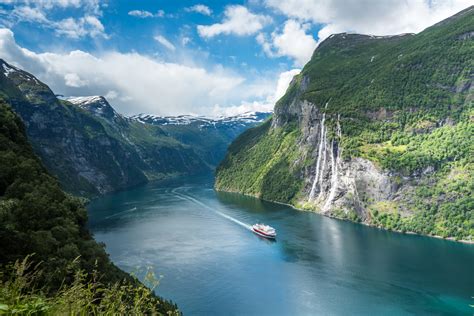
x,y
39,220
94,150
209,136
374,129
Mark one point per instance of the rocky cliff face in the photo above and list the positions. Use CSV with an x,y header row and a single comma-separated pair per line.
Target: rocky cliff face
x,y
331,184
87,145
93,150
374,129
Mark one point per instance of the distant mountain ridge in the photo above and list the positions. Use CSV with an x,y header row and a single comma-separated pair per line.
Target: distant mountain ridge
x,y
93,149
244,118
209,136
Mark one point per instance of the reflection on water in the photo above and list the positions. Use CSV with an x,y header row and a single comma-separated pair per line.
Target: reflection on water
x,y
211,263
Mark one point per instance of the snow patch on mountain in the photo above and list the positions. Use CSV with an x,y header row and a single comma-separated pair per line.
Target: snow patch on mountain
x,y
202,121
97,105
8,69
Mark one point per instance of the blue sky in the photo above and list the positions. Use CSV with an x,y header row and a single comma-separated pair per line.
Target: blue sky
x,y
198,57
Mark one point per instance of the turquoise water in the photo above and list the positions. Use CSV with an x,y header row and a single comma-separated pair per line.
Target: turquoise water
x,y
210,263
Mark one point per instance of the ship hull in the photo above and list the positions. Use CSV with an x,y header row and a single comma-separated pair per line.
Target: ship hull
x,y
262,234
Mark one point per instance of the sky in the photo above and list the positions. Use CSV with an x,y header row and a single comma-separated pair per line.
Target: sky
x,y
201,57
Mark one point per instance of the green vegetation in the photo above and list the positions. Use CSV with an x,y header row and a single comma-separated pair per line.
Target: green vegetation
x,y
405,103
37,217
84,295
268,151
89,153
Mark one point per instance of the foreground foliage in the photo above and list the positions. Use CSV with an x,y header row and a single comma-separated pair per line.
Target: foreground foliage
x,y
36,216
20,293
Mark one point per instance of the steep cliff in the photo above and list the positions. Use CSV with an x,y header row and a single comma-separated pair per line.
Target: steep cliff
x,y
93,150
374,129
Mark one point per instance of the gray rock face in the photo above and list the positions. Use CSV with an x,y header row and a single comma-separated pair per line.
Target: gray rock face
x,y
87,145
333,184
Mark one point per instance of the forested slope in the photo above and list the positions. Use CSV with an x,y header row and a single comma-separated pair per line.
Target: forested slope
x,y
39,220
374,129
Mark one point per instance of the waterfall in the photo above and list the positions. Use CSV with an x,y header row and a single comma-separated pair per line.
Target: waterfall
x,y
323,166
335,161
334,179
318,161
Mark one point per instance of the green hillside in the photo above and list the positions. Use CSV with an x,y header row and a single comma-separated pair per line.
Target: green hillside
x,y
38,219
92,154
404,104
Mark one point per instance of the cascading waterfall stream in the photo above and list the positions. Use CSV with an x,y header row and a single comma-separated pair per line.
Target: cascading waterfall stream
x,y
318,161
323,166
335,161
317,182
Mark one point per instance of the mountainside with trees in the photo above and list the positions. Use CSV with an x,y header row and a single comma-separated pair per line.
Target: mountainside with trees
x,y
374,129
48,227
94,150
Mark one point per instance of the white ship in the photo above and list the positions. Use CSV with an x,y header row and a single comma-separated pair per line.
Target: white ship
x,y
264,231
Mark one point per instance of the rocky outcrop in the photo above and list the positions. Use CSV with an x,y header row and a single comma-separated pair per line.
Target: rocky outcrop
x,y
369,131
89,146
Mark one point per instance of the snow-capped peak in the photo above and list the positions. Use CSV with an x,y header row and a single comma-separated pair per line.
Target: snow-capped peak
x,y
86,100
97,105
7,70
248,117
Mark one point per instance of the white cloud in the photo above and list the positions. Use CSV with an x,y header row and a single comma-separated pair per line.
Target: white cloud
x,y
38,11
238,20
73,80
200,8
244,107
138,83
77,28
51,4
111,95
376,17
163,41
265,105
292,41
185,40
143,14
283,82
25,13
140,14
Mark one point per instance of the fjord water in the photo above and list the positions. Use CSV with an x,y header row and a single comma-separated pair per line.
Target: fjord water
x,y
210,263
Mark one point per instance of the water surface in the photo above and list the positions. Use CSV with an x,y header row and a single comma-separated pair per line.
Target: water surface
x,y
211,263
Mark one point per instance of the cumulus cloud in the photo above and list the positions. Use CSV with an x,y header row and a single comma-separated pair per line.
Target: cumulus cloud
x,y
163,41
376,17
200,8
292,41
77,28
283,82
238,20
265,105
73,80
140,14
38,12
138,83
143,14
30,14
91,5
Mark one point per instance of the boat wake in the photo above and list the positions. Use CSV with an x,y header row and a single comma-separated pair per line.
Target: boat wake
x,y
194,200
121,213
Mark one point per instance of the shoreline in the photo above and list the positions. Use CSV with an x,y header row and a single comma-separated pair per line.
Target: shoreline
x,y
452,239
